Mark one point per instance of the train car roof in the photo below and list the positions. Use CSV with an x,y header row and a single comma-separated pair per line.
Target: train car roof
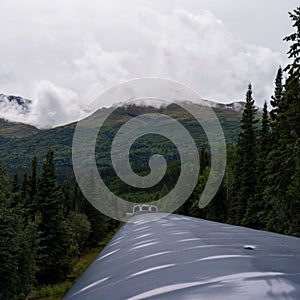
x,y
179,257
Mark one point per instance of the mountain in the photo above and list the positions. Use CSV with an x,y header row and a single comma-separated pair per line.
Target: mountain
x,y
238,106
16,130
22,103
10,129
20,142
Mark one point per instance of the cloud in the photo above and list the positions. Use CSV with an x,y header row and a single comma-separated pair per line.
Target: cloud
x,y
65,69
196,49
54,105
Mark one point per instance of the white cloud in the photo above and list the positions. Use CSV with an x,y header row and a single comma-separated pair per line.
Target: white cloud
x,y
63,66
54,105
195,49
51,106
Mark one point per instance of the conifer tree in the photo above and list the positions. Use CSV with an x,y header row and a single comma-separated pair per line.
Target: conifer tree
x,y
256,214
276,99
292,96
55,261
281,161
244,170
293,82
293,68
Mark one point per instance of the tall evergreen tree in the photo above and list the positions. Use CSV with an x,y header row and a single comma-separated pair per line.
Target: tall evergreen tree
x,y
281,161
55,261
256,213
293,82
273,192
293,68
293,116
276,99
244,170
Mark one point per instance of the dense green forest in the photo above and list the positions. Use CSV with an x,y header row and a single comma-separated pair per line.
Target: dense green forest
x,y
19,141
261,188
44,226
46,222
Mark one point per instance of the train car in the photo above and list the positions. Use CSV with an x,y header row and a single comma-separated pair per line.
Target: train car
x,y
178,257
144,208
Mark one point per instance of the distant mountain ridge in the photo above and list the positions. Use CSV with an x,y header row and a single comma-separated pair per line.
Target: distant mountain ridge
x,y
16,129
20,142
13,129
23,103
237,105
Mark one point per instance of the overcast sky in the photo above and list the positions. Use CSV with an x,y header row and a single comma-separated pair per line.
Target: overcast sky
x,y
63,53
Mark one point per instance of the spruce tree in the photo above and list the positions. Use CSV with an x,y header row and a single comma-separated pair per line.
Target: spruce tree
x,y
281,165
55,253
256,211
293,82
244,170
293,68
292,96
276,99
273,193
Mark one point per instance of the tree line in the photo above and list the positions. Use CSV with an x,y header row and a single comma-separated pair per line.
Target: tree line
x,y
261,187
44,225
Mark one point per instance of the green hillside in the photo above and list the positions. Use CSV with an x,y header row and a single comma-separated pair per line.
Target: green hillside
x,y
19,147
16,130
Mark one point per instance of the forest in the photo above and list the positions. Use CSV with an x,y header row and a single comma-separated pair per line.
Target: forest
x,y
46,223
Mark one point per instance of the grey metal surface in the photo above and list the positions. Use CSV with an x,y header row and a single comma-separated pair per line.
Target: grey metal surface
x,y
186,258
